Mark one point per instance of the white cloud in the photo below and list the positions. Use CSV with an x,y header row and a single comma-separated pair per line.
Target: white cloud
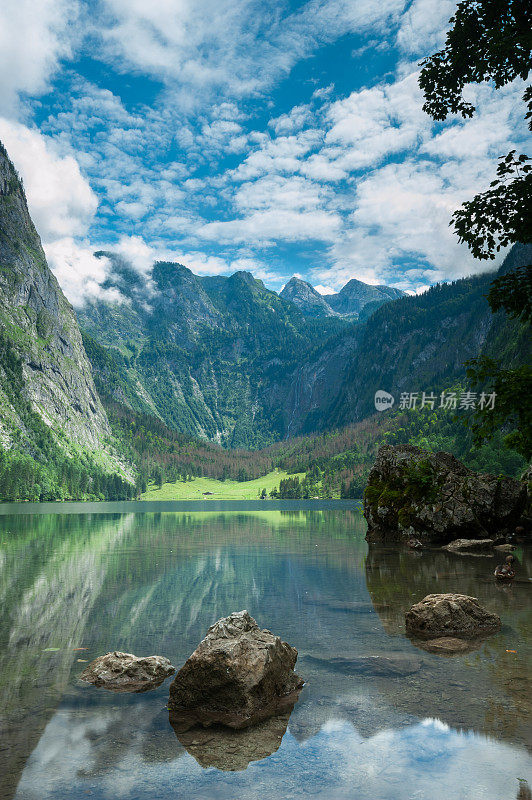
x,y
281,154
372,124
496,126
60,200
292,193
34,37
423,26
238,47
265,228
79,272
296,119
138,254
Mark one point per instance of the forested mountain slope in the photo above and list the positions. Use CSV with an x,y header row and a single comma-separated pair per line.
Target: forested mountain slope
x,y
208,356
55,438
413,344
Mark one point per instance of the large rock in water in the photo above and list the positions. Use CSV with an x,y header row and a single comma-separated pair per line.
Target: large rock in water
x,y
450,615
434,497
124,672
237,676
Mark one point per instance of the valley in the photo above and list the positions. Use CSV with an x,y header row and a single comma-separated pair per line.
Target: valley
x,y
180,380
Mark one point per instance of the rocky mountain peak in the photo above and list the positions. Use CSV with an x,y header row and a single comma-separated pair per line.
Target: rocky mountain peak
x,y
306,298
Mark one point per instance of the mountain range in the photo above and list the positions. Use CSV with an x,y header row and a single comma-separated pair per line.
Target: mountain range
x,y
349,302
211,356
220,358
226,359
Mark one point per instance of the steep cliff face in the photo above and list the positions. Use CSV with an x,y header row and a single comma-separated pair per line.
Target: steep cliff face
x,y
42,360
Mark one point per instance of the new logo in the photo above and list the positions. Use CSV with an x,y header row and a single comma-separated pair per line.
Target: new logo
x,y
383,400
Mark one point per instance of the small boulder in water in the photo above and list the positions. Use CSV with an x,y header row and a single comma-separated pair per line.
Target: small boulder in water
x,y
124,672
470,545
449,645
237,676
452,615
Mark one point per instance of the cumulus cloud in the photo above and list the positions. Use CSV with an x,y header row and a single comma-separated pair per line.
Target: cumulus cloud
x,y
34,37
423,26
237,46
265,228
60,200
137,253
375,123
79,272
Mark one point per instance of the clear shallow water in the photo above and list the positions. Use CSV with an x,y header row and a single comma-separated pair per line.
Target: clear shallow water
x,y
405,724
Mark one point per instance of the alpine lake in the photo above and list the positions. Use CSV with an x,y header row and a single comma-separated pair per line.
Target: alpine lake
x,y
378,718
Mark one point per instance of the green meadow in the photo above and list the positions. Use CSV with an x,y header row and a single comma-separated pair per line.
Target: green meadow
x,y
196,488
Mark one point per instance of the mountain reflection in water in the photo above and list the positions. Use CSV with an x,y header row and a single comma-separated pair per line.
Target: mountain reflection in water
x,y
377,718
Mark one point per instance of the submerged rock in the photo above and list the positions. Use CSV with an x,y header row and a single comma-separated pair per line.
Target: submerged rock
x,y
237,676
124,672
449,645
232,750
470,545
455,615
412,493
505,548
391,666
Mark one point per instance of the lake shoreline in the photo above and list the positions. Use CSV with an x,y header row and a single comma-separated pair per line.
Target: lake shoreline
x,y
157,506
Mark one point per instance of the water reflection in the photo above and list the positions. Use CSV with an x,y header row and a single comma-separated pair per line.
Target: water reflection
x,y
153,583
487,687
232,750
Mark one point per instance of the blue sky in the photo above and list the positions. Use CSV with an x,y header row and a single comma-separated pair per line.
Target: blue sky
x,y
279,137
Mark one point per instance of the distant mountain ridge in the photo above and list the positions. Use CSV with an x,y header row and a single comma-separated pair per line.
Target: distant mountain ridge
x,y
417,343
348,302
208,355
226,359
309,301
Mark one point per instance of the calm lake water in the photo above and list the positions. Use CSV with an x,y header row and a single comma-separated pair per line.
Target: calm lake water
x,y
150,579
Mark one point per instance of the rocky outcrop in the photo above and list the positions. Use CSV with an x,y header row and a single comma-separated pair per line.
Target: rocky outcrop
x,y
42,359
434,497
450,615
238,675
124,672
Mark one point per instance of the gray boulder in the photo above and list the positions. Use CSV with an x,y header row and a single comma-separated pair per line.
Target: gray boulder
x,y
237,676
435,498
450,615
124,672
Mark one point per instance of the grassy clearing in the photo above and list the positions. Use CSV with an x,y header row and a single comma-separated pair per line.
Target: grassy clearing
x,y
221,490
